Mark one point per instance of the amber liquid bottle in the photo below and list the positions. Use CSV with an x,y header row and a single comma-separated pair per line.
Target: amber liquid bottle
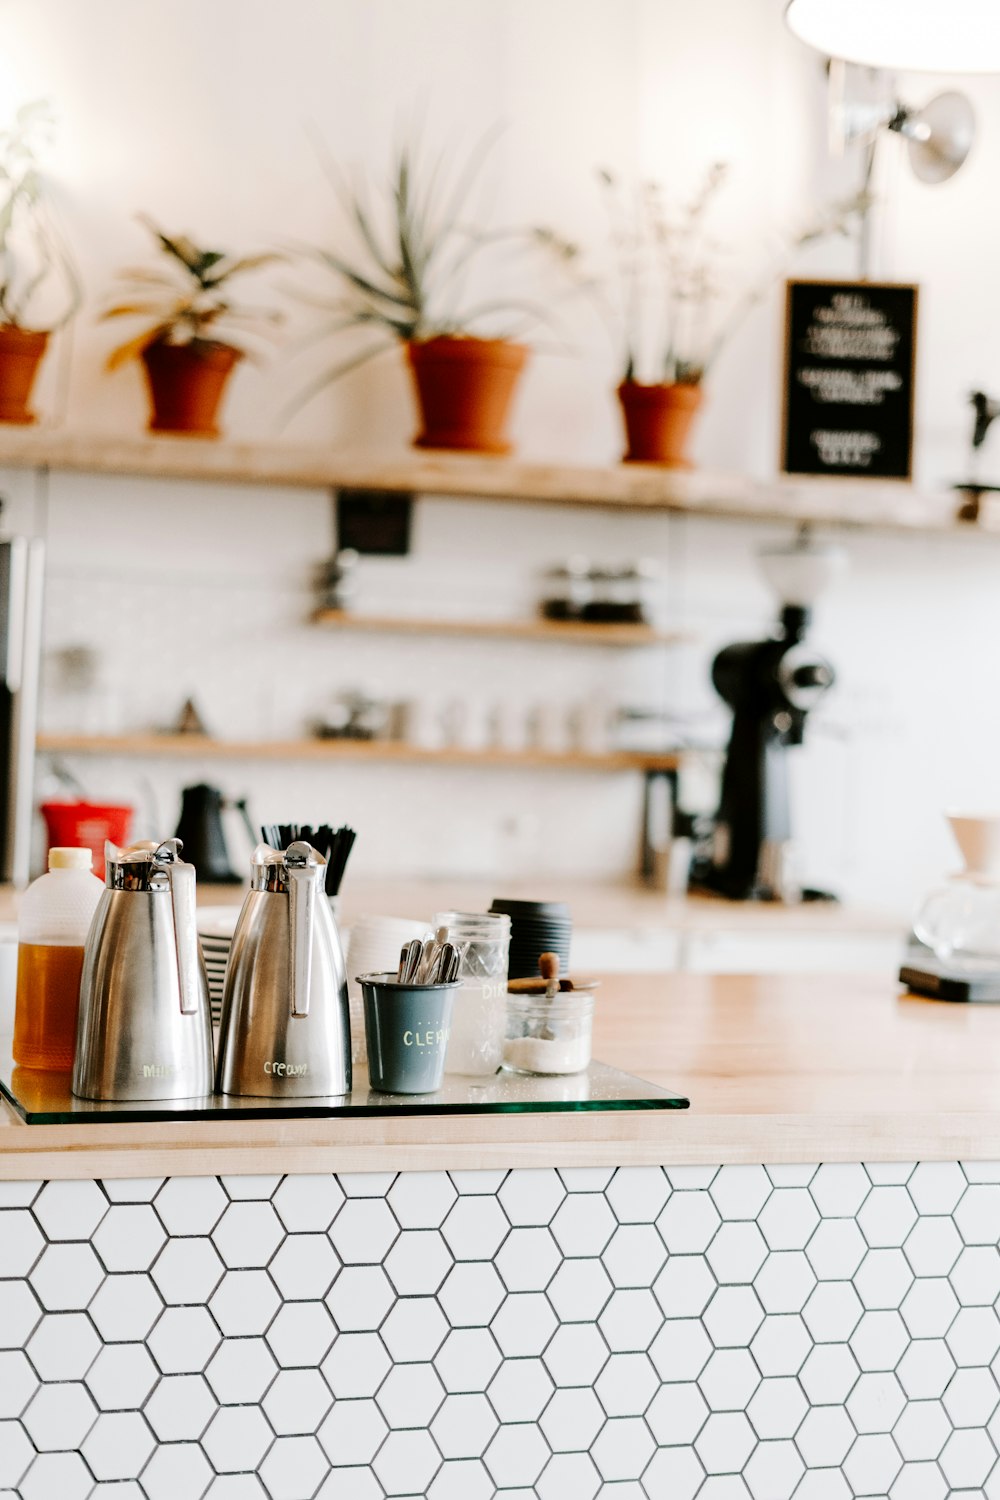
x,y
54,920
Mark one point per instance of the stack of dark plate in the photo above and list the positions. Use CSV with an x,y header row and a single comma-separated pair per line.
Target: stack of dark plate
x,y
536,927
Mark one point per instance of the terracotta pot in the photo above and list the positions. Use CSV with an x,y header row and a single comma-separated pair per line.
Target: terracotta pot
x,y
658,421
464,388
186,385
21,353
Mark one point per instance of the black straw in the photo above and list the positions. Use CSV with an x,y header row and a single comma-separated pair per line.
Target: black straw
x,y
335,845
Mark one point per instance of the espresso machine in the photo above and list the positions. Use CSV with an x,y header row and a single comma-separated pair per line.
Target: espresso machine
x,y
771,686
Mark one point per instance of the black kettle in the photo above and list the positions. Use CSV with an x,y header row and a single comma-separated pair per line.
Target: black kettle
x,y
200,829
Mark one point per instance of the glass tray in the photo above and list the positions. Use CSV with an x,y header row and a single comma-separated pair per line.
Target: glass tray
x,y
45,1098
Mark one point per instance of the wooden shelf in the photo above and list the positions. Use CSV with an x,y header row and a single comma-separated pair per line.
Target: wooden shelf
x,y
572,632
830,502
192,746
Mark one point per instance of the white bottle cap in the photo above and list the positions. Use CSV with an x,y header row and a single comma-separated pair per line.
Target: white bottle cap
x,y
70,859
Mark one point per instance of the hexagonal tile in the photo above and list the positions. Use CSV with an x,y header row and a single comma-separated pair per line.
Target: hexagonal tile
x,y
571,1420
421,1200
677,1413
360,1298
781,1344
836,1249
129,1237
301,1334
975,1276
418,1262
482,1181
256,1185
828,1374
524,1324
737,1252
788,1218
725,1443
415,1330
356,1365
19,1313
832,1312
236,1439
118,1445
190,1205
971,1398
183,1340
825,1436
57,1474
63,1346
187,1270
777,1407
296,1402
126,1308
464,1426
879,1340
410,1395
566,1474
16,1452
244,1302
121,1377
974,1336
59,1417
528,1259
70,1210
928,1308
176,1469
241,1370
925,1369
576,1354
627,1384
406,1463
293,1467
586,1179
876,1402
729,1379
638,1194
872,1464
583,1224
740,1192
630,1321
967,1458
475,1228
676,1472
66,1276
932,1246
785,1281
18,1383
471,1294
579,1291
520,1390
353,1432
21,1242
684,1287
688,1223
691,1178
308,1203
249,1487
304,1267
530,1197
516,1456
180,1408
839,1188
469,1358
363,1231
774,1469
922,1430
936,1186
635,1255
977,1216
16,1194
247,1235
887,1216
733,1316
920,1481
457,1479
680,1350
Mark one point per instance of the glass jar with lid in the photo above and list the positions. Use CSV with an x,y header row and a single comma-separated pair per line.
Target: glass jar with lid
x,y
477,1024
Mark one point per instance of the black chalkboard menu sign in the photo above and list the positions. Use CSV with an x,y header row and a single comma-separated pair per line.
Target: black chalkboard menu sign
x,y
848,396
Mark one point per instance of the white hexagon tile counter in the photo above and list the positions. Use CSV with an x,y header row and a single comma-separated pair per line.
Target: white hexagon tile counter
x,y
692,1333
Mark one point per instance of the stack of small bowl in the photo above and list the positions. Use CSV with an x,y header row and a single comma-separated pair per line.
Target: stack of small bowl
x,y
536,927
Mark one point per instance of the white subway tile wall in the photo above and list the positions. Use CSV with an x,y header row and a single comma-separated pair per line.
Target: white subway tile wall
x,y
812,1332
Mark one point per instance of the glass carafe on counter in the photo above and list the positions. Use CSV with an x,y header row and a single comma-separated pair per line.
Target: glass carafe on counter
x,y
52,930
477,1022
960,921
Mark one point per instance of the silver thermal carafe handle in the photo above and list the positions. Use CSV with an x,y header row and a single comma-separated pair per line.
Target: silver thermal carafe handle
x,y
181,876
303,873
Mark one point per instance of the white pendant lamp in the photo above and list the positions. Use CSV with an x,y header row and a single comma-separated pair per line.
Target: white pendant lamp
x,y
936,36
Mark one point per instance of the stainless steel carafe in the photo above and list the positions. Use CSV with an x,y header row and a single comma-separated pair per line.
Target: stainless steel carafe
x,y
145,1029
285,1027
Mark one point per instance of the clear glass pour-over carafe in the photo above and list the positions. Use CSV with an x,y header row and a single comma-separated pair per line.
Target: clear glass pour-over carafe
x,y
960,921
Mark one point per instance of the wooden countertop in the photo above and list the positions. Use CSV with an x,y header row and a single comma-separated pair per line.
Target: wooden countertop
x,y
777,1069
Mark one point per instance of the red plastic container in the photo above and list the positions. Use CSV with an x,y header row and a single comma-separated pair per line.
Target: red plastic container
x,y
86,825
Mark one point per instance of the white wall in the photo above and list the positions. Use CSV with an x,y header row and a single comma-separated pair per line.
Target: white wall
x,y
195,113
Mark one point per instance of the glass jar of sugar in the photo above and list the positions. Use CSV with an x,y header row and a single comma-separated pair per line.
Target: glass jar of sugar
x,y
549,1035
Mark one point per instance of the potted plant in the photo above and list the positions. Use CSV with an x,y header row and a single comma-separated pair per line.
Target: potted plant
x,y
39,289
674,315
405,282
186,345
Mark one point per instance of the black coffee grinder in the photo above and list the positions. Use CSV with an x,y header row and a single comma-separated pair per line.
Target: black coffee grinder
x,y
771,686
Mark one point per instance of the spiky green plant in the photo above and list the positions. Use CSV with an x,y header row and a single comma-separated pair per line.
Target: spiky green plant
x,y
34,257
